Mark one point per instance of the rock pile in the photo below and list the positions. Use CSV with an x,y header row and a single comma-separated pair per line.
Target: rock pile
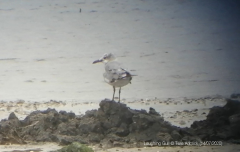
x,y
113,124
222,123
116,125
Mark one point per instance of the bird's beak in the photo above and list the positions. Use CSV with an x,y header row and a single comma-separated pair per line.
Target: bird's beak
x,y
97,61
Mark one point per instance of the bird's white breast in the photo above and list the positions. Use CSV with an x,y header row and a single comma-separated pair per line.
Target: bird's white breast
x,y
120,82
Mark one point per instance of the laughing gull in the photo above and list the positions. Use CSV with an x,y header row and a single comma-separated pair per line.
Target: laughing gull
x,y
114,74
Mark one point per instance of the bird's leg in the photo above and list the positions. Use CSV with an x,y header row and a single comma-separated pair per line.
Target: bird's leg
x,y
119,94
113,93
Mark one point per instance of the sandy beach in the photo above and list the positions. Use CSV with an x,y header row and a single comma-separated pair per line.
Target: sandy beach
x,y
46,147
37,147
185,53
178,48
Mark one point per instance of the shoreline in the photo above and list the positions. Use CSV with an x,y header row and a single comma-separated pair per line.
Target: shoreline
x,y
36,147
179,111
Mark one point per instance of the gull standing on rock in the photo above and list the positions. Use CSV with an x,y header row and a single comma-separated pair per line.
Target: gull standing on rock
x,y
114,74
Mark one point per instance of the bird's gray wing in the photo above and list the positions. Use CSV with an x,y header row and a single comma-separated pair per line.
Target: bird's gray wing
x,y
114,72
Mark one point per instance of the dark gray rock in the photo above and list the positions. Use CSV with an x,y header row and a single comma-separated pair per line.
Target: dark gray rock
x,y
123,130
235,95
164,137
176,135
12,116
153,112
222,123
235,124
116,125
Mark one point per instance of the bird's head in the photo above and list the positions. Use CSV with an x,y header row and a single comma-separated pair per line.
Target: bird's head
x,y
106,58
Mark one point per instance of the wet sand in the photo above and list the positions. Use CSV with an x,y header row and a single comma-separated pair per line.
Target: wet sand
x,y
178,48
